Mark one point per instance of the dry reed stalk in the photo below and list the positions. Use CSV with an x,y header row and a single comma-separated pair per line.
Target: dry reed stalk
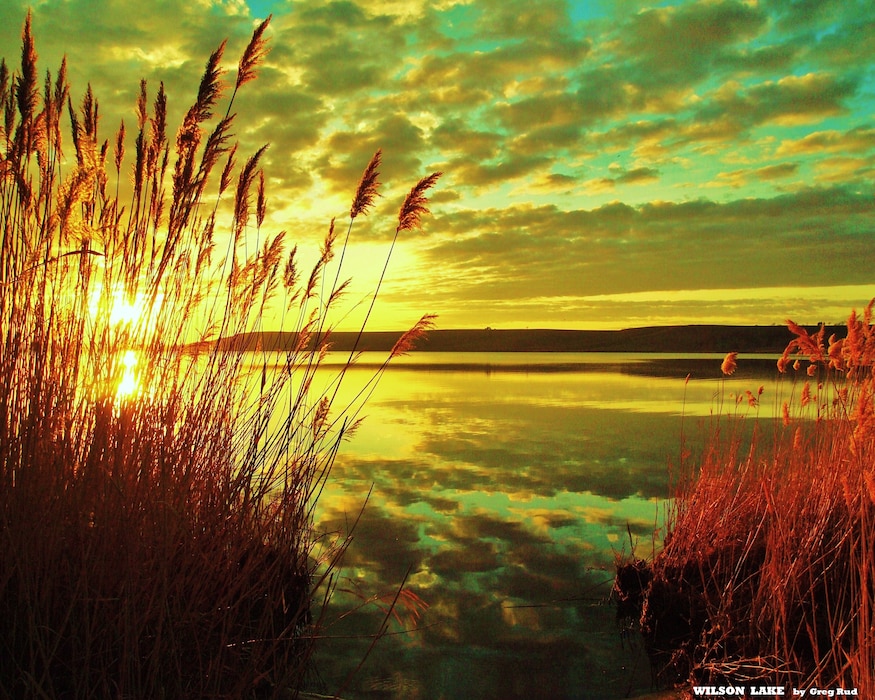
x,y
769,554
161,543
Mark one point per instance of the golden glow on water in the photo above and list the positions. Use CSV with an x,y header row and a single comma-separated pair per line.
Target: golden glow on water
x,y
474,458
508,482
130,383
618,382
507,485
549,451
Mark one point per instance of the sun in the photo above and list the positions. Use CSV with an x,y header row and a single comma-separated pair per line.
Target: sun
x,y
122,309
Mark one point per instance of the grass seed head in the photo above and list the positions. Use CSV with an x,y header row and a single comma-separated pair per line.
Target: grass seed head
x,y
368,188
414,205
729,364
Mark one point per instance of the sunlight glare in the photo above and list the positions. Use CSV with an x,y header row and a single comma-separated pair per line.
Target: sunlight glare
x,y
126,314
129,384
121,309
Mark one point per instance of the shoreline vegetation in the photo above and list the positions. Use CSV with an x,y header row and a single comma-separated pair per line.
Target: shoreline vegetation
x,y
767,570
157,535
656,339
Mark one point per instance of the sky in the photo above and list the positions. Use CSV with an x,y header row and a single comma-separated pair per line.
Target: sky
x,y
606,164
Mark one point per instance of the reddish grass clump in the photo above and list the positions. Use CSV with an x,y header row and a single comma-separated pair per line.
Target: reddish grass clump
x,y
157,485
768,568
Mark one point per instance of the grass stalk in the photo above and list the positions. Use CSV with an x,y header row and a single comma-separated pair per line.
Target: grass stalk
x,y
766,569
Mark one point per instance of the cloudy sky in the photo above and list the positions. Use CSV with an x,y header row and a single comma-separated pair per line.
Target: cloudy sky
x,y
606,164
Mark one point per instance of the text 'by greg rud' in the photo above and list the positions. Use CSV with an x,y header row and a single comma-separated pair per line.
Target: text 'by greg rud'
x,y
769,691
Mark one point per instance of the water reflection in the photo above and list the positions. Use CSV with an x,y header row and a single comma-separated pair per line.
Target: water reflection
x,y
129,384
505,485
504,488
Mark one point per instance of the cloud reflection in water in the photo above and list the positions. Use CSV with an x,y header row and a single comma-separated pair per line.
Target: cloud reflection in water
x,y
507,494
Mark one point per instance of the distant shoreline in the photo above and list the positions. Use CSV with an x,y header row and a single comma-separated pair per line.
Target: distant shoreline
x,y
656,339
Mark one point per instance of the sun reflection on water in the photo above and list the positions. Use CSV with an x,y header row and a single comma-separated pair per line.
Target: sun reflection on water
x,y
130,384
133,318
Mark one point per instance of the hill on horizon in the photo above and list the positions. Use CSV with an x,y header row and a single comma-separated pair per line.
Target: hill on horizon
x,y
660,339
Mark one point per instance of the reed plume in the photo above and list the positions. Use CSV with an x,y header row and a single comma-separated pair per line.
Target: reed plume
x,y
225,179
243,196
261,201
415,204
210,90
253,56
409,339
368,188
26,90
119,152
291,274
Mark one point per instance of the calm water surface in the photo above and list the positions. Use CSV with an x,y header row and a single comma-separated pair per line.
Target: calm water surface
x,y
504,484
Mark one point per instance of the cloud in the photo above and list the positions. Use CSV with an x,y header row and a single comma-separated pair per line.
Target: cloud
x,y
562,128
845,169
774,172
514,19
856,140
499,69
454,135
740,178
682,45
472,173
346,152
637,176
509,253
791,100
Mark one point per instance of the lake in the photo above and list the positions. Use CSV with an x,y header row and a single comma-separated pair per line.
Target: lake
x,y
503,485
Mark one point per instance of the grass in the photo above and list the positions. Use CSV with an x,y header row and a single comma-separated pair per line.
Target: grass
x,y
156,502
768,562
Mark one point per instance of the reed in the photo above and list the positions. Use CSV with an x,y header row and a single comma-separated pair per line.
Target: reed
x,y
767,568
157,486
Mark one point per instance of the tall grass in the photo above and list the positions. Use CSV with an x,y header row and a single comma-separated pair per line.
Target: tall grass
x,y
156,503
768,569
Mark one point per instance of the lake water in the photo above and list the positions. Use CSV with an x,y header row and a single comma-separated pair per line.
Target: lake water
x,y
504,484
